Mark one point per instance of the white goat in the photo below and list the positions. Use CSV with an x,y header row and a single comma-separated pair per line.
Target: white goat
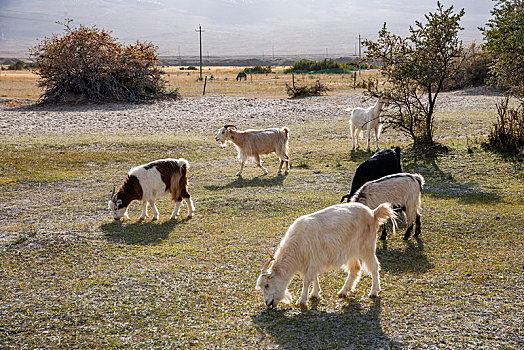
x,y
150,181
253,143
365,119
341,235
401,190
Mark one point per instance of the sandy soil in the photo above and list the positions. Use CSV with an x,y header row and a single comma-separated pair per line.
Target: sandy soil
x,y
204,114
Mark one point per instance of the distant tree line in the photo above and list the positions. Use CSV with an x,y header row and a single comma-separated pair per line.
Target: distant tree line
x,y
20,65
326,66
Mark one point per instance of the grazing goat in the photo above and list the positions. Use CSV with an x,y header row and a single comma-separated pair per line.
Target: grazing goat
x,y
340,235
401,190
148,182
365,119
382,163
253,143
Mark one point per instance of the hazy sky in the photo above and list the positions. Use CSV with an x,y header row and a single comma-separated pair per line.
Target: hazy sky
x,y
231,27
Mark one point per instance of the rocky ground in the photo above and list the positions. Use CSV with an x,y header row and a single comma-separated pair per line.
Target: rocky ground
x,y
204,114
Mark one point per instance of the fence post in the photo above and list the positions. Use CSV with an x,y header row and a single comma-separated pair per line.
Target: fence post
x,y
205,82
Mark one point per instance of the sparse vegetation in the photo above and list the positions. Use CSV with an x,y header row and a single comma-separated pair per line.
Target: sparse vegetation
x,y
87,64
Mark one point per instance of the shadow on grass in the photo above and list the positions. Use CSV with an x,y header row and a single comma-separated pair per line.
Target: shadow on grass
x,y
353,327
140,232
424,160
259,181
411,258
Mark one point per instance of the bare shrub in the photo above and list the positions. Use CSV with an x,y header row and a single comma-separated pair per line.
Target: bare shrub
x,y
316,89
507,134
88,64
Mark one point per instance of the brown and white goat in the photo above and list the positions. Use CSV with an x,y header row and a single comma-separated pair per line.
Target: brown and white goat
x,y
148,182
341,235
253,143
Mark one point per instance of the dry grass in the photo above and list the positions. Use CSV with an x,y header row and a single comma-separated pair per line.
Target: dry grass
x,y
220,81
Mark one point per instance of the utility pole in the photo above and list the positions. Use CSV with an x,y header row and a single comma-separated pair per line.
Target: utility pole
x,y
200,31
359,53
179,57
273,45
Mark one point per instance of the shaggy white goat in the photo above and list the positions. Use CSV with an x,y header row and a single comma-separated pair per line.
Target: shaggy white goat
x,y
253,143
365,119
401,190
341,235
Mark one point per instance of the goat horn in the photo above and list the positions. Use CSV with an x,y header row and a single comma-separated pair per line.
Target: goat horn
x,y
266,265
270,255
113,193
230,126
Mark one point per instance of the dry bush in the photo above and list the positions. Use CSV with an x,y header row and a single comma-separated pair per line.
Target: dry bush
x,y
316,89
89,64
507,134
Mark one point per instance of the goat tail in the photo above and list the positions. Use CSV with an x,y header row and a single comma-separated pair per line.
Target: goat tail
x,y
286,130
349,109
384,212
420,179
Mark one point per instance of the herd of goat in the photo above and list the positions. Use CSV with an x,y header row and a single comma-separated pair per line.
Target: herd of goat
x,y
341,235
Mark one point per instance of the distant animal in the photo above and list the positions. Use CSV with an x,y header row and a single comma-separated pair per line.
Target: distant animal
x,y
252,143
340,235
401,190
365,119
148,182
241,75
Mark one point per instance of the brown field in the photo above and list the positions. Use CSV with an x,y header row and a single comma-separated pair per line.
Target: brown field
x,y
220,81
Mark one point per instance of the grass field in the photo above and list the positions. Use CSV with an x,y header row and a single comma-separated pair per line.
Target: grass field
x,y
71,277
220,81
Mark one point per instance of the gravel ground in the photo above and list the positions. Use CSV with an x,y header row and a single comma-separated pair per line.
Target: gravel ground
x,y
203,114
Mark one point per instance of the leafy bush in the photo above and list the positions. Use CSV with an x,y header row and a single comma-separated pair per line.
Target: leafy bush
x,y
316,89
89,64
507,134
258,70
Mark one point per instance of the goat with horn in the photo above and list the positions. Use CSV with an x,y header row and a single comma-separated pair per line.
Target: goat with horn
x,y
253,143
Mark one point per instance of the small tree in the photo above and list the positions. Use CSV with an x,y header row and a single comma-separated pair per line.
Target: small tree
x,y
89,64
415,68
